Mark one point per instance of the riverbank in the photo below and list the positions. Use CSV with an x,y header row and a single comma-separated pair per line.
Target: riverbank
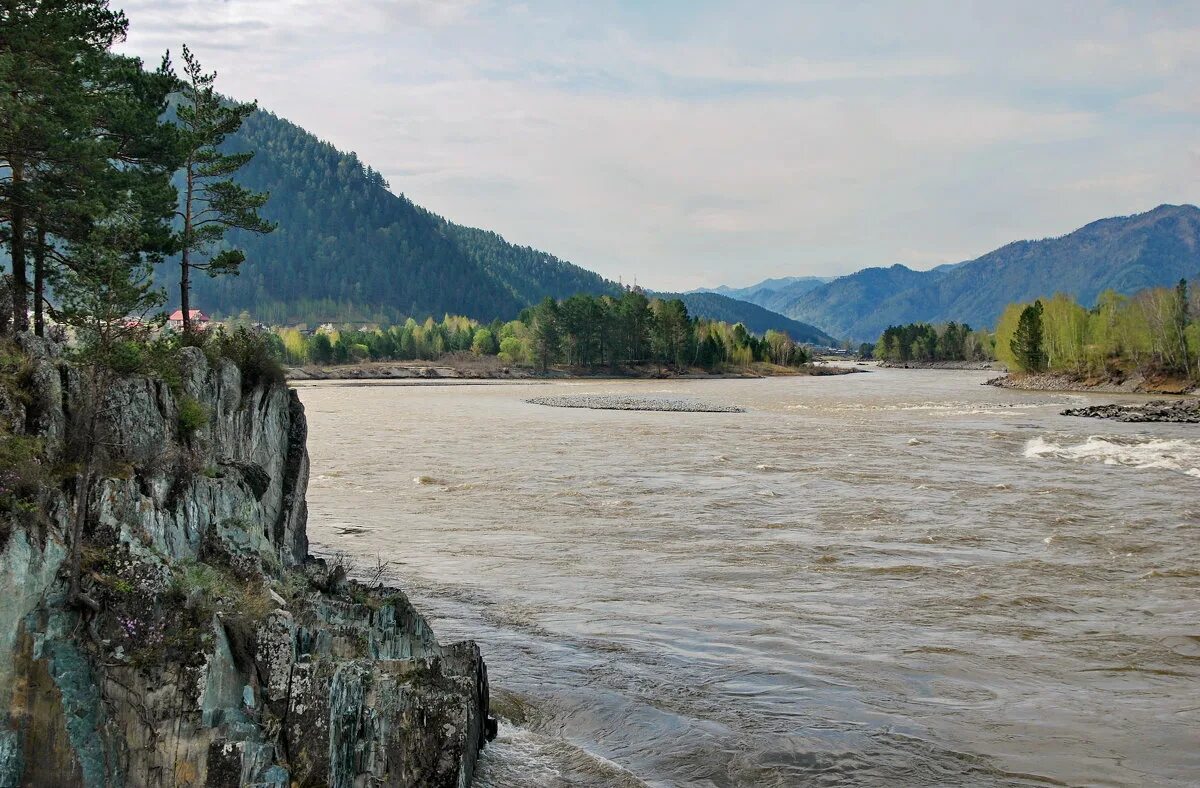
x,y
1107,384
491,368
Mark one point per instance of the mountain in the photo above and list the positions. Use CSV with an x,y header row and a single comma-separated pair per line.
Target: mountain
x,y
769,293
715,306
348,249
1125,254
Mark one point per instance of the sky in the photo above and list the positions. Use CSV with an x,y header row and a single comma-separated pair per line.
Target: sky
x,y
685,143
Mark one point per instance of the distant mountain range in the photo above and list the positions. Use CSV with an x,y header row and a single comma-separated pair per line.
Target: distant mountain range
x,y
348,249
1125,254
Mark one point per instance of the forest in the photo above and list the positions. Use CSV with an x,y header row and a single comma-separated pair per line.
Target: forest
x,y
924,342
583,331
1154,331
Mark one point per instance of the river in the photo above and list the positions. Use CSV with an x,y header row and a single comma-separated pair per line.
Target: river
x,y
894,578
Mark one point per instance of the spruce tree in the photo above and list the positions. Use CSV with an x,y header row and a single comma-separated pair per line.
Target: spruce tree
x,y
1026,343
211,202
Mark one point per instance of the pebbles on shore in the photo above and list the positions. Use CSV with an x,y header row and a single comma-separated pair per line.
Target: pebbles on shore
x,y
621,402
1183,411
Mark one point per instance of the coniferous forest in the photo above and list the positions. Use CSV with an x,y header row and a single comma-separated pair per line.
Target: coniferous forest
x,y
347,249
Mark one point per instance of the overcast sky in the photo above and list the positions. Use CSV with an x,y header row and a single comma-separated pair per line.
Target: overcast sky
x,y
693,143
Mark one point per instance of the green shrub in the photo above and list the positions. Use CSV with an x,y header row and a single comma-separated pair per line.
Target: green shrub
x,y
126,358
192,416
256,354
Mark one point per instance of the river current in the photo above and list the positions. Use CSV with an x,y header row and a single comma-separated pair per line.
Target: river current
x,y
895,578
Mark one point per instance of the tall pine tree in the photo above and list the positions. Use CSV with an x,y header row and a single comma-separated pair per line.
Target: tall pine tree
x,y
211,202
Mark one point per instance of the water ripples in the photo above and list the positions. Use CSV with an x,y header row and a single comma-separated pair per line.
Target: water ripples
x,y
874,580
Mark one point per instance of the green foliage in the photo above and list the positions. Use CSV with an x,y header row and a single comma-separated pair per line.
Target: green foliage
x,y
126,357
80,136
1154,331
923,342
212,203
1027,343
193,416
256,354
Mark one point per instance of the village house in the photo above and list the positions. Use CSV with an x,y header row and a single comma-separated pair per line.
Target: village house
x,y
199,320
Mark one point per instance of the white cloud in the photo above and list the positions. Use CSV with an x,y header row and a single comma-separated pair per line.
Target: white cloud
x,y
715,147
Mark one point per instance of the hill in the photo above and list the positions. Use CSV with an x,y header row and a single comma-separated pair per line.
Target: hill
x,y
348,249
715,306
1125,254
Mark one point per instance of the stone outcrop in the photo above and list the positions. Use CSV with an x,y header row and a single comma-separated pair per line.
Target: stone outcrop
x,y
215,650
1181,411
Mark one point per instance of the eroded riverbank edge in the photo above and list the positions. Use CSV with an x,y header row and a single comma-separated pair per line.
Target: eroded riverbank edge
x,y
1132,384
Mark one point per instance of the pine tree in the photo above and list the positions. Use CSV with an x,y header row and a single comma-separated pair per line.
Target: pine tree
x,y
49,91
1027,342
212,202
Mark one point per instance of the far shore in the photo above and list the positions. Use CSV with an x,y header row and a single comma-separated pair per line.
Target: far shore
x,y
491,368
994,366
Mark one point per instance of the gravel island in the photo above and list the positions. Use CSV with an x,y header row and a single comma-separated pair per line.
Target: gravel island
x,y
612,402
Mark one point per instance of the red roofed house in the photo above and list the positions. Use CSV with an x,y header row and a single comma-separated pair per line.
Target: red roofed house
x,y
199,320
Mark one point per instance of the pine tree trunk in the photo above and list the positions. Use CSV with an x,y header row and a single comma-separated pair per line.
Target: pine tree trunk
x,y
184,281
39,280
20,287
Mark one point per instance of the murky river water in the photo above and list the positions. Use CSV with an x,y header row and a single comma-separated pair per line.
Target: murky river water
x,y
895,578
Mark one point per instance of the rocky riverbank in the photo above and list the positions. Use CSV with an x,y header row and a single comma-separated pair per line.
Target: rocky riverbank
x,y
1183,411
1125,384
212,649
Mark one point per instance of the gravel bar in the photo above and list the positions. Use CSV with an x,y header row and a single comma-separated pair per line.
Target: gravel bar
x,y
605,402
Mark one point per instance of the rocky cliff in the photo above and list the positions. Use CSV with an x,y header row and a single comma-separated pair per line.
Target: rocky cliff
x,y
213,650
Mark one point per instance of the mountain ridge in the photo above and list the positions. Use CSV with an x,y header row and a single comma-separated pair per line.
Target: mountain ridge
x,y
347,248
1123,253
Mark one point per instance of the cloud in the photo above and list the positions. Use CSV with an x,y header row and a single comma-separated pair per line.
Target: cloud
x,y
697,145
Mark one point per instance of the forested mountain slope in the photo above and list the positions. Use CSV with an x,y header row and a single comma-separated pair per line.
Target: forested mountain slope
x,y
347,248
1125,254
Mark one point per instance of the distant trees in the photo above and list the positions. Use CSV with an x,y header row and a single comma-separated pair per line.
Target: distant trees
x,y
924,342
211,202
582,331
1154,330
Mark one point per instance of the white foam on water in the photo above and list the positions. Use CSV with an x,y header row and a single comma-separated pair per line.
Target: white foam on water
x,y
1181,456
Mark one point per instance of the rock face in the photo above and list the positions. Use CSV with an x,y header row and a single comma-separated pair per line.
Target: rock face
x,y
1184,411
216,652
